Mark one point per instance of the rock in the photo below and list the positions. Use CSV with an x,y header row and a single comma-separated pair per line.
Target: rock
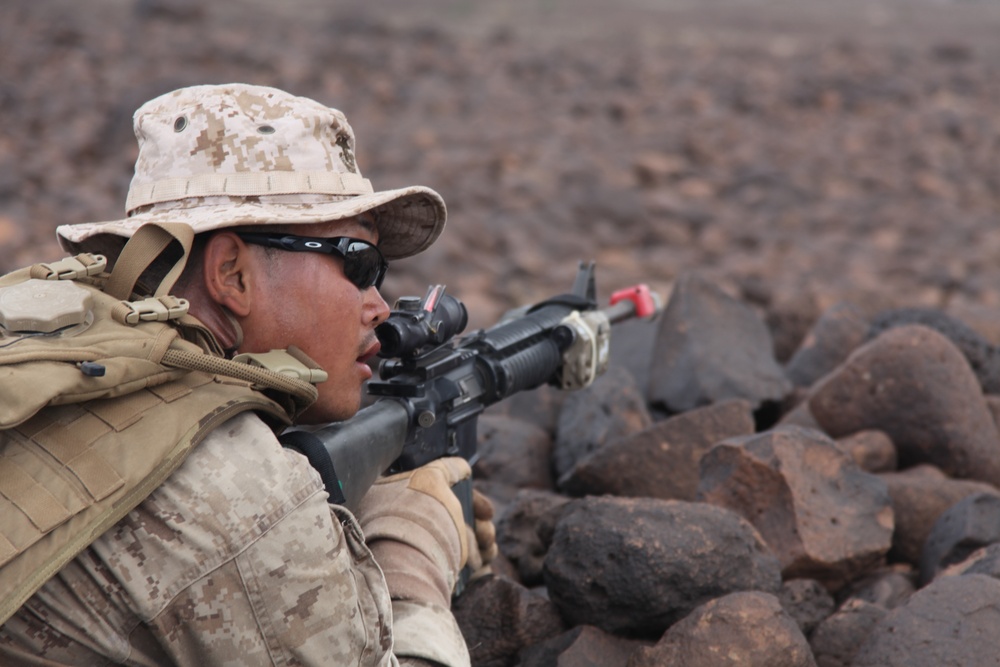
x,y
835,641
499,493
746,629
499,618
807,602
181,11
634,566
583,646
514,452
836,333
517,532
632,348
982,561
982,318
952,621
920,496
710,347
963,528
983,357
872,450
888,587
661,461
539,406
789,320
821,515
611,408
913,384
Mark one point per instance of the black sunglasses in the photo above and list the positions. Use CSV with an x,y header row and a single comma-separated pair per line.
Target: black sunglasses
x,y
364,264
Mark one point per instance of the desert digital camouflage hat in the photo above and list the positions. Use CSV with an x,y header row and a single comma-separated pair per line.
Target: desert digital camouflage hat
x,y
225,155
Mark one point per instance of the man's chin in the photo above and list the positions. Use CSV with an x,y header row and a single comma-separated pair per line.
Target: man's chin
x,y
324,412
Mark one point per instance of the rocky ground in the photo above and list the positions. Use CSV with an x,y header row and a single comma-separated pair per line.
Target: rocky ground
x,y
783,172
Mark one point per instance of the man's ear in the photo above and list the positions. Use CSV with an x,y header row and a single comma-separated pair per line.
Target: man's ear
x,y
228,273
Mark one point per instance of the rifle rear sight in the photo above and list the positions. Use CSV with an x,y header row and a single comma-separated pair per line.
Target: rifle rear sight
x,y
417,325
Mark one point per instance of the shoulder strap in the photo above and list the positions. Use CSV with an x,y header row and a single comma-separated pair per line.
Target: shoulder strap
x,y
146,245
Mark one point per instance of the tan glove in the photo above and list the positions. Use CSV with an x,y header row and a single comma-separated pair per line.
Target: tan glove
x,y
414,526
484,536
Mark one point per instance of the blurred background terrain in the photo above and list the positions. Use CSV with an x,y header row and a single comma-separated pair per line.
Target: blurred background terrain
x,y
798,153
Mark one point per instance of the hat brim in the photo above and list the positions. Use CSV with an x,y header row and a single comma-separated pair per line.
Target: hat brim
x,y
409,219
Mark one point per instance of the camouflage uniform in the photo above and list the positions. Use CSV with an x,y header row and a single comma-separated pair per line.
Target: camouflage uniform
x,y
237,559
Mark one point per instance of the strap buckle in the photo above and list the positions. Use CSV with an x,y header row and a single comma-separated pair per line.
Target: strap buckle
x,y
70,268
155,309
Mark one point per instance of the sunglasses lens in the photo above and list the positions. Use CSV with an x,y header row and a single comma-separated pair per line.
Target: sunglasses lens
x,y
363,265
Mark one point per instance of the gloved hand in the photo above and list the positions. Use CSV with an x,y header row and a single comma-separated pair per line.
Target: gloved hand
x,y
414,526
484,536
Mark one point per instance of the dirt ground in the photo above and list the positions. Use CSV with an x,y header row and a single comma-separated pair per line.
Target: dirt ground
x,y
795,151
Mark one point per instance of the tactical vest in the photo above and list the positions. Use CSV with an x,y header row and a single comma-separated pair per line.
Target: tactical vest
x,y
102,396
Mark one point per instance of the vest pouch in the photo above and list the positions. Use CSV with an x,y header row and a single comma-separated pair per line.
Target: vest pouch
x,y
98,358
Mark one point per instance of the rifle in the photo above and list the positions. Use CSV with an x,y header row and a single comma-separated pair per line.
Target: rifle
x,y
435,385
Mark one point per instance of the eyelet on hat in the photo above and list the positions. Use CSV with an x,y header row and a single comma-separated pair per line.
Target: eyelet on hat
x,y
180,123
265,129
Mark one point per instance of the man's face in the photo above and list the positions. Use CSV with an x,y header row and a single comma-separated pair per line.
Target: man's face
x,y
303,299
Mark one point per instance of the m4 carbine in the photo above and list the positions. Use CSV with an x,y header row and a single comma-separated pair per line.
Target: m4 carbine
x,y
434,384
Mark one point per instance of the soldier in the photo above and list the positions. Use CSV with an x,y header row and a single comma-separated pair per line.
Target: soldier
x,y
276,242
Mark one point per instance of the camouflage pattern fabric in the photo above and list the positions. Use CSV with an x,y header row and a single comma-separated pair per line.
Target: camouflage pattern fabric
x,y
237,559
236,154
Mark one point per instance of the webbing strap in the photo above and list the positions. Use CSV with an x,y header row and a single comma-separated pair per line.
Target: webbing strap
x,y
141,250
7,550
72,445
247,184
126,410
42,508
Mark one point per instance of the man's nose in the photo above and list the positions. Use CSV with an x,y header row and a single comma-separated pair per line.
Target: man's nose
x,y
376,305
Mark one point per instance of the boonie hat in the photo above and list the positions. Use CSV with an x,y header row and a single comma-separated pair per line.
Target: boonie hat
x,y
219,156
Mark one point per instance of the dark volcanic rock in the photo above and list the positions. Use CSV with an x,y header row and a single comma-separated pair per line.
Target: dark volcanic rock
x,y
952,621
517,531
662,461
610,408
888,588
832,338
806,601
583,646
747,629
836,640
789,321
821,515
632,348
913,383
982,561
983,357
920,496
711,347
499,617
539,406
872,450
514,452
969,524
636,565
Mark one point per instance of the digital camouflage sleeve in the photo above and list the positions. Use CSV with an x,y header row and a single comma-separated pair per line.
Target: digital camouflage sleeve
x,y
236,559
